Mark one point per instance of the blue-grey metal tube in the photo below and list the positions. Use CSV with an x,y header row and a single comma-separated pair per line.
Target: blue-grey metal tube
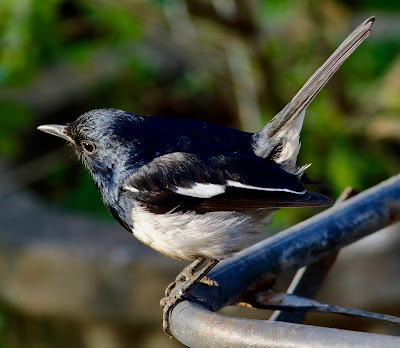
x,y
197,327
304,243
294,248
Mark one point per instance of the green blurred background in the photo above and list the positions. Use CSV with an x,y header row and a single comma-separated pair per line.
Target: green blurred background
x,y
230,62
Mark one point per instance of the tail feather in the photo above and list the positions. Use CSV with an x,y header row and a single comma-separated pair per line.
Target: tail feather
x,y
279,139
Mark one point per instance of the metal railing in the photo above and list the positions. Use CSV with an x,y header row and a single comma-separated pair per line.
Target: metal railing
x,y
251,273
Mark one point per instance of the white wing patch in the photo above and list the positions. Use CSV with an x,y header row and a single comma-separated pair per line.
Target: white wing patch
x,y
130,188
201,190
211,190
249,187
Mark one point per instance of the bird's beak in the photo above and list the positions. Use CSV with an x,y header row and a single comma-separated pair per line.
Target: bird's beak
x,y
57,130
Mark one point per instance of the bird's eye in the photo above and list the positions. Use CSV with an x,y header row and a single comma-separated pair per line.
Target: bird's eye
x,y
88,146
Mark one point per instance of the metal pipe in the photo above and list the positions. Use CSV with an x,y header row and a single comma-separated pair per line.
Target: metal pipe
x,y
309,279
303,243
290,250
197,327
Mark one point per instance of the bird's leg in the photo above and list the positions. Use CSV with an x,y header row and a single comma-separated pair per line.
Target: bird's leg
x,y
186,274
168,303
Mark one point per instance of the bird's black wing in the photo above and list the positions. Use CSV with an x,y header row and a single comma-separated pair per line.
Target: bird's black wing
x,y
226,182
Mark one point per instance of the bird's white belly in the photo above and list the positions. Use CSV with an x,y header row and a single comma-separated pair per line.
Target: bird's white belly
x,y
188,235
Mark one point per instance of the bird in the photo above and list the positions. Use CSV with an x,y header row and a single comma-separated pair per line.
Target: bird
x,y
188,189
194,190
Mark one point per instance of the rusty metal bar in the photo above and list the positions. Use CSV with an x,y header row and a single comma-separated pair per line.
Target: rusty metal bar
x,y
288,251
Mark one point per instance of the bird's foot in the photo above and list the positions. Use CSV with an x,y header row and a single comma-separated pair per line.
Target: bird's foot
x,y
206,280
186,274
169,302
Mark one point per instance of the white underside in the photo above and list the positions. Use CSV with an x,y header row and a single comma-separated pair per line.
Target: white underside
x,y
215,235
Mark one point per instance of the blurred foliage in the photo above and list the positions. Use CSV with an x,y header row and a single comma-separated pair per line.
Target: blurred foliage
x,y
2,325
231,62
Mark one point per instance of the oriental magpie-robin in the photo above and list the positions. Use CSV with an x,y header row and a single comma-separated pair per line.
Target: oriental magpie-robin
x,y
194,190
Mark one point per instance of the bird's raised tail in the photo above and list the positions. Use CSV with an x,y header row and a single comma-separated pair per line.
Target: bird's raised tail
x,y
279,139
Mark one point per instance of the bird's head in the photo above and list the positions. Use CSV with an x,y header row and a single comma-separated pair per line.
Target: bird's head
x,y
100,139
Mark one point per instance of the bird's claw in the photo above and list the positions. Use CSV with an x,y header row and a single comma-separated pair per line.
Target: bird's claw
x,y
206,280
169,303
168,290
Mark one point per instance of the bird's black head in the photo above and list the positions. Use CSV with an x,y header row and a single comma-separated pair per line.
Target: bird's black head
x,y
100,139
